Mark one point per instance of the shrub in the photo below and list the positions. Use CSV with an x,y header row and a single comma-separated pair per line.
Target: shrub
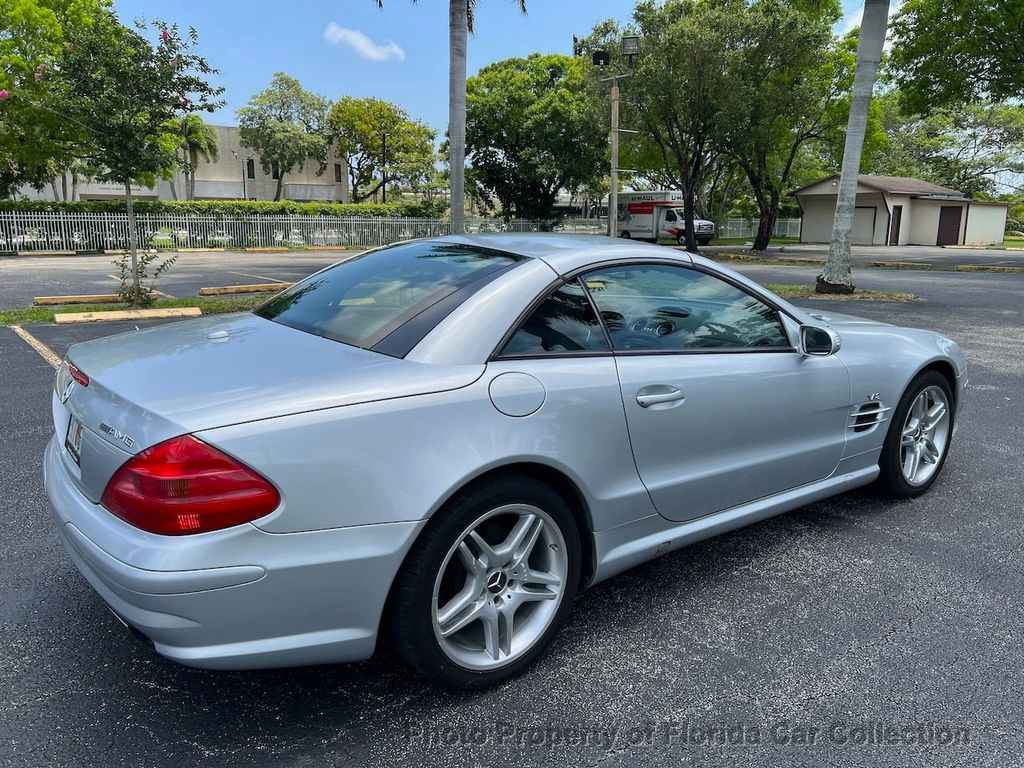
x,y
235,208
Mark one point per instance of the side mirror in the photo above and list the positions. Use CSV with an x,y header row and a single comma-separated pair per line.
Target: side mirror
x,y
820,342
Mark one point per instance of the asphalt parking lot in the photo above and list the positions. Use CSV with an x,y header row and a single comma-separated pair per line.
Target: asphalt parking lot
x,y
24,277
27,276
803,637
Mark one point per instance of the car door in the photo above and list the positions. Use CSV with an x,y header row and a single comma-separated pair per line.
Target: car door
x,y
721,407
556,380
668,224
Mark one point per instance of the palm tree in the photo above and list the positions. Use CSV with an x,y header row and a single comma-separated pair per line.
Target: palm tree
x,y
460,24
198,140
836,276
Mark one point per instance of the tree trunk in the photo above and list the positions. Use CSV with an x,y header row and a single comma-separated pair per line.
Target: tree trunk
x,y
133,243
766,227
64,185
691,236
836,276
280,187
74,185
458,31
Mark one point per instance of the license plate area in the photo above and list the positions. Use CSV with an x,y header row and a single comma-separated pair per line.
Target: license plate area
x,y
73,439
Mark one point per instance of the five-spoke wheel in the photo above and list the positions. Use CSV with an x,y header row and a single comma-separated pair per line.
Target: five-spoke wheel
x,y
925,434
919,436
488,582
500,586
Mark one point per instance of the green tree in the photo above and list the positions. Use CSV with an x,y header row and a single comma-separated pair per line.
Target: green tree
x,y
36,142
125,95
947,52
792,79
977,148
198,141
683,92
380,144
460,24
531,130
836,277
286,125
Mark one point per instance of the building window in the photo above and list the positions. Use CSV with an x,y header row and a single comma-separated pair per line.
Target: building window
x,y
275,171
337,173
250,168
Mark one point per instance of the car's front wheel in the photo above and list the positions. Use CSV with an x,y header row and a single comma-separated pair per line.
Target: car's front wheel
x,y
488,583
919,435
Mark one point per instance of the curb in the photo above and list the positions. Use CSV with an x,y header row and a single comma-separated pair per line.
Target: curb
x,y
989,268
222,290
125,314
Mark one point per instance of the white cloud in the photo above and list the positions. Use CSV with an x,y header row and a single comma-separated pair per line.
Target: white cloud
x,y
363,46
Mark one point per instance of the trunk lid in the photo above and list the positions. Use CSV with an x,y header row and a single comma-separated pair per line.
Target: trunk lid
x,y
150,385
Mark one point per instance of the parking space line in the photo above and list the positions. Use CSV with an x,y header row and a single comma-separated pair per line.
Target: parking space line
x,y
44,351
261,277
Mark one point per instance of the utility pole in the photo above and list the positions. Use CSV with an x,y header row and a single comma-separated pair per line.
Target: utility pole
x,y
384,167
613,190
630,49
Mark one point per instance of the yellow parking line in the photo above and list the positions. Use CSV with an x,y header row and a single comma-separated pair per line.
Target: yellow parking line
x,y
44,351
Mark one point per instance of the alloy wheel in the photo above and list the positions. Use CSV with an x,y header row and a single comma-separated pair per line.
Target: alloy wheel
x,y
499,587
925,436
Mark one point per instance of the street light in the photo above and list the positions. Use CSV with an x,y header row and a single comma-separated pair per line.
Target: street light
x,y
245,167
630,49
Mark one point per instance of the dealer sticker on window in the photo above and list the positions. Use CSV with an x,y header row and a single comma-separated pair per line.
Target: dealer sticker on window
x,y
73,439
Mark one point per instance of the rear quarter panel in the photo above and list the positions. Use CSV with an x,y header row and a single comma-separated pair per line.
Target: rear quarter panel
x,y
399,460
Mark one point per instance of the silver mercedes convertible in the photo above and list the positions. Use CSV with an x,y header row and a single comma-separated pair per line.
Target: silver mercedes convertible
x,y
440,442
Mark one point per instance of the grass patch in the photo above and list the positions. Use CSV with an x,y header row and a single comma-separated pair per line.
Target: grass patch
x,y
211,305
751,258
790,291
1010,242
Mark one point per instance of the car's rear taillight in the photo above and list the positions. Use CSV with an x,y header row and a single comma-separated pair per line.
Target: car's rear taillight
x,y
185,486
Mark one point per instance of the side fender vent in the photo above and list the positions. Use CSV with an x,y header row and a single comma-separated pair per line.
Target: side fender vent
x,y
867,416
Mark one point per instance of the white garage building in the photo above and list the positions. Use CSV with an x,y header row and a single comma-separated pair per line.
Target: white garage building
x,y
899,210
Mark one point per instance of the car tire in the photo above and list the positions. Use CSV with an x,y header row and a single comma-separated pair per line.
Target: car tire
x,y
625,236
435,576
929,436
681,238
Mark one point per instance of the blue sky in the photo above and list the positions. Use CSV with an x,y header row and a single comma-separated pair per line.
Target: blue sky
x,y
349,47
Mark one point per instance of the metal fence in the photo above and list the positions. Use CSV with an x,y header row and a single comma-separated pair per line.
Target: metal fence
x,y
60,231
748,228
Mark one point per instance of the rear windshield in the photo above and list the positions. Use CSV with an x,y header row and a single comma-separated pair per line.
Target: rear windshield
x,y
366,298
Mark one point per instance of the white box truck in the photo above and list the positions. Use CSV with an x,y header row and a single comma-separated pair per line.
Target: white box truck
x,y
657,215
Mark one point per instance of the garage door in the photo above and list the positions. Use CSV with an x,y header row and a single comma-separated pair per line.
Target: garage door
x,y
863,226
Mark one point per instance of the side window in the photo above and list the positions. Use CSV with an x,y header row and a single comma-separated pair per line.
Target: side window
x,y
670,215
666,308
564,323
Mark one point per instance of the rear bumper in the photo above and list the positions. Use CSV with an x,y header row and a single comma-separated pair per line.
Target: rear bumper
x,y
239,598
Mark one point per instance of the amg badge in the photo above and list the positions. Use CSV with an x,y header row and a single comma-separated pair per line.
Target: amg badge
x,y
117,435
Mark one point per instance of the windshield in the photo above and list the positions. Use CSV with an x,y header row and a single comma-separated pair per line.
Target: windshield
x,y
364,299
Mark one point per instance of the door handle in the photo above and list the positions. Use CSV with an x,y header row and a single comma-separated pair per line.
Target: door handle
x,y
659,395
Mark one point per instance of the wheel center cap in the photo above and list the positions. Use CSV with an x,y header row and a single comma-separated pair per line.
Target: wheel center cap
x,y
496,582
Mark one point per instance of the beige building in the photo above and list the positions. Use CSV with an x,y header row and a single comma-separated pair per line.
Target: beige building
x,y
899,210
235,175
